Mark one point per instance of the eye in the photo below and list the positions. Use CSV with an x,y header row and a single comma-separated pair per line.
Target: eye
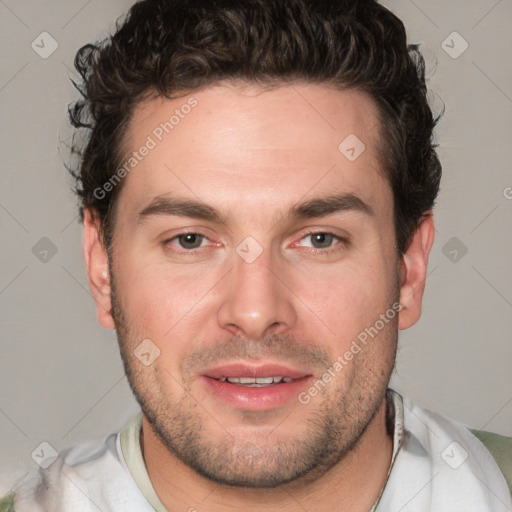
x,y
323,242
188,241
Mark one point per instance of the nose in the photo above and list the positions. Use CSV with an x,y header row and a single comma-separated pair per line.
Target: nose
x,y
256,300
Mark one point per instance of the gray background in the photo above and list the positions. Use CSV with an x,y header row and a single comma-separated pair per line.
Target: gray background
x,y
61,377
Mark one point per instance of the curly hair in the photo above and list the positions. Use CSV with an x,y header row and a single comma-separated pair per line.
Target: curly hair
x,y
164,47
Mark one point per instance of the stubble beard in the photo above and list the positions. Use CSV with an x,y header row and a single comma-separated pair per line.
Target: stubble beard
x,y
332,428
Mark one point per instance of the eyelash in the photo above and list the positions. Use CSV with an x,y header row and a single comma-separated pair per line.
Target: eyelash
x,y
343,242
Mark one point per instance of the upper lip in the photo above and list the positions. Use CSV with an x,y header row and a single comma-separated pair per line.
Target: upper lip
x,y
261,370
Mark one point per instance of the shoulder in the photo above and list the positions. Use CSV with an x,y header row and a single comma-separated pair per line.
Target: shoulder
x,y
500,447
457,455
85,470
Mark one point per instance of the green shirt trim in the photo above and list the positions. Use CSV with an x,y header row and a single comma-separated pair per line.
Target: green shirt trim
x,y
130,446
7,503
501,450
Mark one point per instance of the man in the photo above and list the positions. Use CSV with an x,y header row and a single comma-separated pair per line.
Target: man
x,y
257,193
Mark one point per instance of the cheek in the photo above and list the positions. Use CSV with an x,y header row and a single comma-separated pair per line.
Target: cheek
x,y
160,299
350,298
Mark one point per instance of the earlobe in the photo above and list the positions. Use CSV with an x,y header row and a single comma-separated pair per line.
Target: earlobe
x,y
96,264
413,272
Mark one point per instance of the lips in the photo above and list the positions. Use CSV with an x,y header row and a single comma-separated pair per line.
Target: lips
x,y
262,371
256,381
255,388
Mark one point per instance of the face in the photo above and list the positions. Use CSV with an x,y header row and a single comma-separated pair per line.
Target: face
x,y
249,245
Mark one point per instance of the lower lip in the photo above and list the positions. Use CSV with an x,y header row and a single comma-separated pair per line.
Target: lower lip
x,y
256,399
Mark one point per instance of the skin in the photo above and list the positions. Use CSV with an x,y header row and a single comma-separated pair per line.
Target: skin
x,y
253,154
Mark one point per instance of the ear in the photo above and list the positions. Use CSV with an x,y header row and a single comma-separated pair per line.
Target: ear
x,y
413,272
96,264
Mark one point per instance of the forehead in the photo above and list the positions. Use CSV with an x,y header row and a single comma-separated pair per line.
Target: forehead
x,y
255,145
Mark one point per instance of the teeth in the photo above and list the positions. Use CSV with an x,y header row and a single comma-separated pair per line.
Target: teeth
x,y
261,381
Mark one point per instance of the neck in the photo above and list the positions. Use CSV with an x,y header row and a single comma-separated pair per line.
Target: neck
x,y
354,483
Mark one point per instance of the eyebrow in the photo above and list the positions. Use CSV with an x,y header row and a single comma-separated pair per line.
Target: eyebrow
x,y
181,208
311,209
323,206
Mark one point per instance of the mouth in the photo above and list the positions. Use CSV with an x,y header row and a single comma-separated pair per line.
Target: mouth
x,y
255,382
255,388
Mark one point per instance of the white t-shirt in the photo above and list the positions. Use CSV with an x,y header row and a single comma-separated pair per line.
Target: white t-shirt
x,y
437,465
